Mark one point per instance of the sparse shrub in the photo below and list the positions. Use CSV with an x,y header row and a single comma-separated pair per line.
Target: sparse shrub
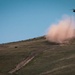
x,y
16,47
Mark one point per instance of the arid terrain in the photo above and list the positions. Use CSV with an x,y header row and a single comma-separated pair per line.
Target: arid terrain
x,y
37,56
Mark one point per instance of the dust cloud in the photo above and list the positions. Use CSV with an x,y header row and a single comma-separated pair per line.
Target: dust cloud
x,y
63,31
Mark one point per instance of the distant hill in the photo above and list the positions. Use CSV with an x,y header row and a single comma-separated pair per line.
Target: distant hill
x,y
37,56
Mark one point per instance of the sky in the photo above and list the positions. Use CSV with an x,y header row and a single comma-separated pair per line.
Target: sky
x,y
25,19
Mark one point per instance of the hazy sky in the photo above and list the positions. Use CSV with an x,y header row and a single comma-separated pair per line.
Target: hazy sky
x,y
24,19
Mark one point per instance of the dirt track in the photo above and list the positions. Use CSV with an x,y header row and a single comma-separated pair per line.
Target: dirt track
x,y
26,61
23,63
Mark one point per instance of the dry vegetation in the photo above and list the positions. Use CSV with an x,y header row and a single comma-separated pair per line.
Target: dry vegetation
x,y
50,58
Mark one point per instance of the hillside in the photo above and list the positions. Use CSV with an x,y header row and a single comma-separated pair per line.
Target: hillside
x,y
37,57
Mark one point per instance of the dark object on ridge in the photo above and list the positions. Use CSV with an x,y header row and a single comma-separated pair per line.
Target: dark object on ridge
x,y
16,47
73,10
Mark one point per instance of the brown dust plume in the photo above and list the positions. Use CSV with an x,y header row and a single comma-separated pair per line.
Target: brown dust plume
x,y
61,32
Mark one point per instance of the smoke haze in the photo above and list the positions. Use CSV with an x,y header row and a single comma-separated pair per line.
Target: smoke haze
x,y
61,32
